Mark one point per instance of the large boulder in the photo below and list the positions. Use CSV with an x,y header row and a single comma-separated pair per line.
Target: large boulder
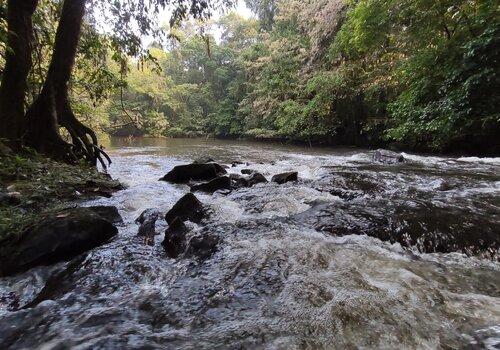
x,y
220,183
194,172
57,237
387,157
285,177
186,208
108,212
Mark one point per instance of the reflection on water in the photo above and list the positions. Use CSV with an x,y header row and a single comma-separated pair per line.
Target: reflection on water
x,y
277,281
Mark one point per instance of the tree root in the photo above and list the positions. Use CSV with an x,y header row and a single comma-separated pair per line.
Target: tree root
x,y
46,116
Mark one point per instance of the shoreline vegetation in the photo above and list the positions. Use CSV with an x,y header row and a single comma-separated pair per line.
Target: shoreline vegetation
x,y
32,186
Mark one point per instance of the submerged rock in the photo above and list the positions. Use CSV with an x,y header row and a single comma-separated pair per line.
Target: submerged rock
x,y
247,171
186,208
109,213
220,183
285,177
57,237
387,157
195,171
429,228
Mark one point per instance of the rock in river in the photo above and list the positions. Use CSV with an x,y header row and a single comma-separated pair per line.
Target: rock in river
x,y
57,237
109,213
387,157
175,238
181,243
220,183
256,178
186,208
285,177
195,171
147,221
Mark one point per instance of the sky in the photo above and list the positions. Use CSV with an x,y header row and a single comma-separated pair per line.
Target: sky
x,y
241,9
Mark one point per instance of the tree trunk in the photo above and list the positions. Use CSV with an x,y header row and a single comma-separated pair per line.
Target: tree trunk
x,y
17,67
52,108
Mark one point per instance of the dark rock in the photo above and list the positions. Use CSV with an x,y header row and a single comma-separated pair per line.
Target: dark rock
x,y
238,181
187,208
196,172
257,178
446,186
429,228
220,183
175,238
202,245
247,171
180,243
147,228
148,214
203,160
387,157
57,237
236,163
285,177
109,213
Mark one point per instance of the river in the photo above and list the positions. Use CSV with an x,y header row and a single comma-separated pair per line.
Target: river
x,y
299,265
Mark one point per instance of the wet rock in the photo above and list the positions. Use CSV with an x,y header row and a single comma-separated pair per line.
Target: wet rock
x,y
387,157
175,238
247,171
180,242
238,181
196,172
148,214
187,208
57,237
256,178
202,245
109,213
429,228
285,177
203,160
446,186
220,183
147,228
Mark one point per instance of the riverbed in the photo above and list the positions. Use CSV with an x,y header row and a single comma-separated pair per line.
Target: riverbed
x,y
313,264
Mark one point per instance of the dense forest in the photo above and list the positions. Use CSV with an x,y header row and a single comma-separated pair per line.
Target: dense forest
x,y
421,75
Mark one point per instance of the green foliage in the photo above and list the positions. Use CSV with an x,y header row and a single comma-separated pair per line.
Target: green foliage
x,y
43,185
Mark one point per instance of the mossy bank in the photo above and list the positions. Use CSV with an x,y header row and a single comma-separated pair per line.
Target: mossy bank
x,y
31,185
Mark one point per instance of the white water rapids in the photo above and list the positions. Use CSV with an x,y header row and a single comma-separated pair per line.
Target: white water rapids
x,y
275,281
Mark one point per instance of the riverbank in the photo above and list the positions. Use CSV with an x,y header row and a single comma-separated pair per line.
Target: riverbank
x,y
31,185
466,149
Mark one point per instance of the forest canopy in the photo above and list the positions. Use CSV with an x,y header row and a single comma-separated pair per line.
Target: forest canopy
x,y
418,74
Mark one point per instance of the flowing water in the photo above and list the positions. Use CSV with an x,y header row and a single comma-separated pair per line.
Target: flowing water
x,y
295,268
